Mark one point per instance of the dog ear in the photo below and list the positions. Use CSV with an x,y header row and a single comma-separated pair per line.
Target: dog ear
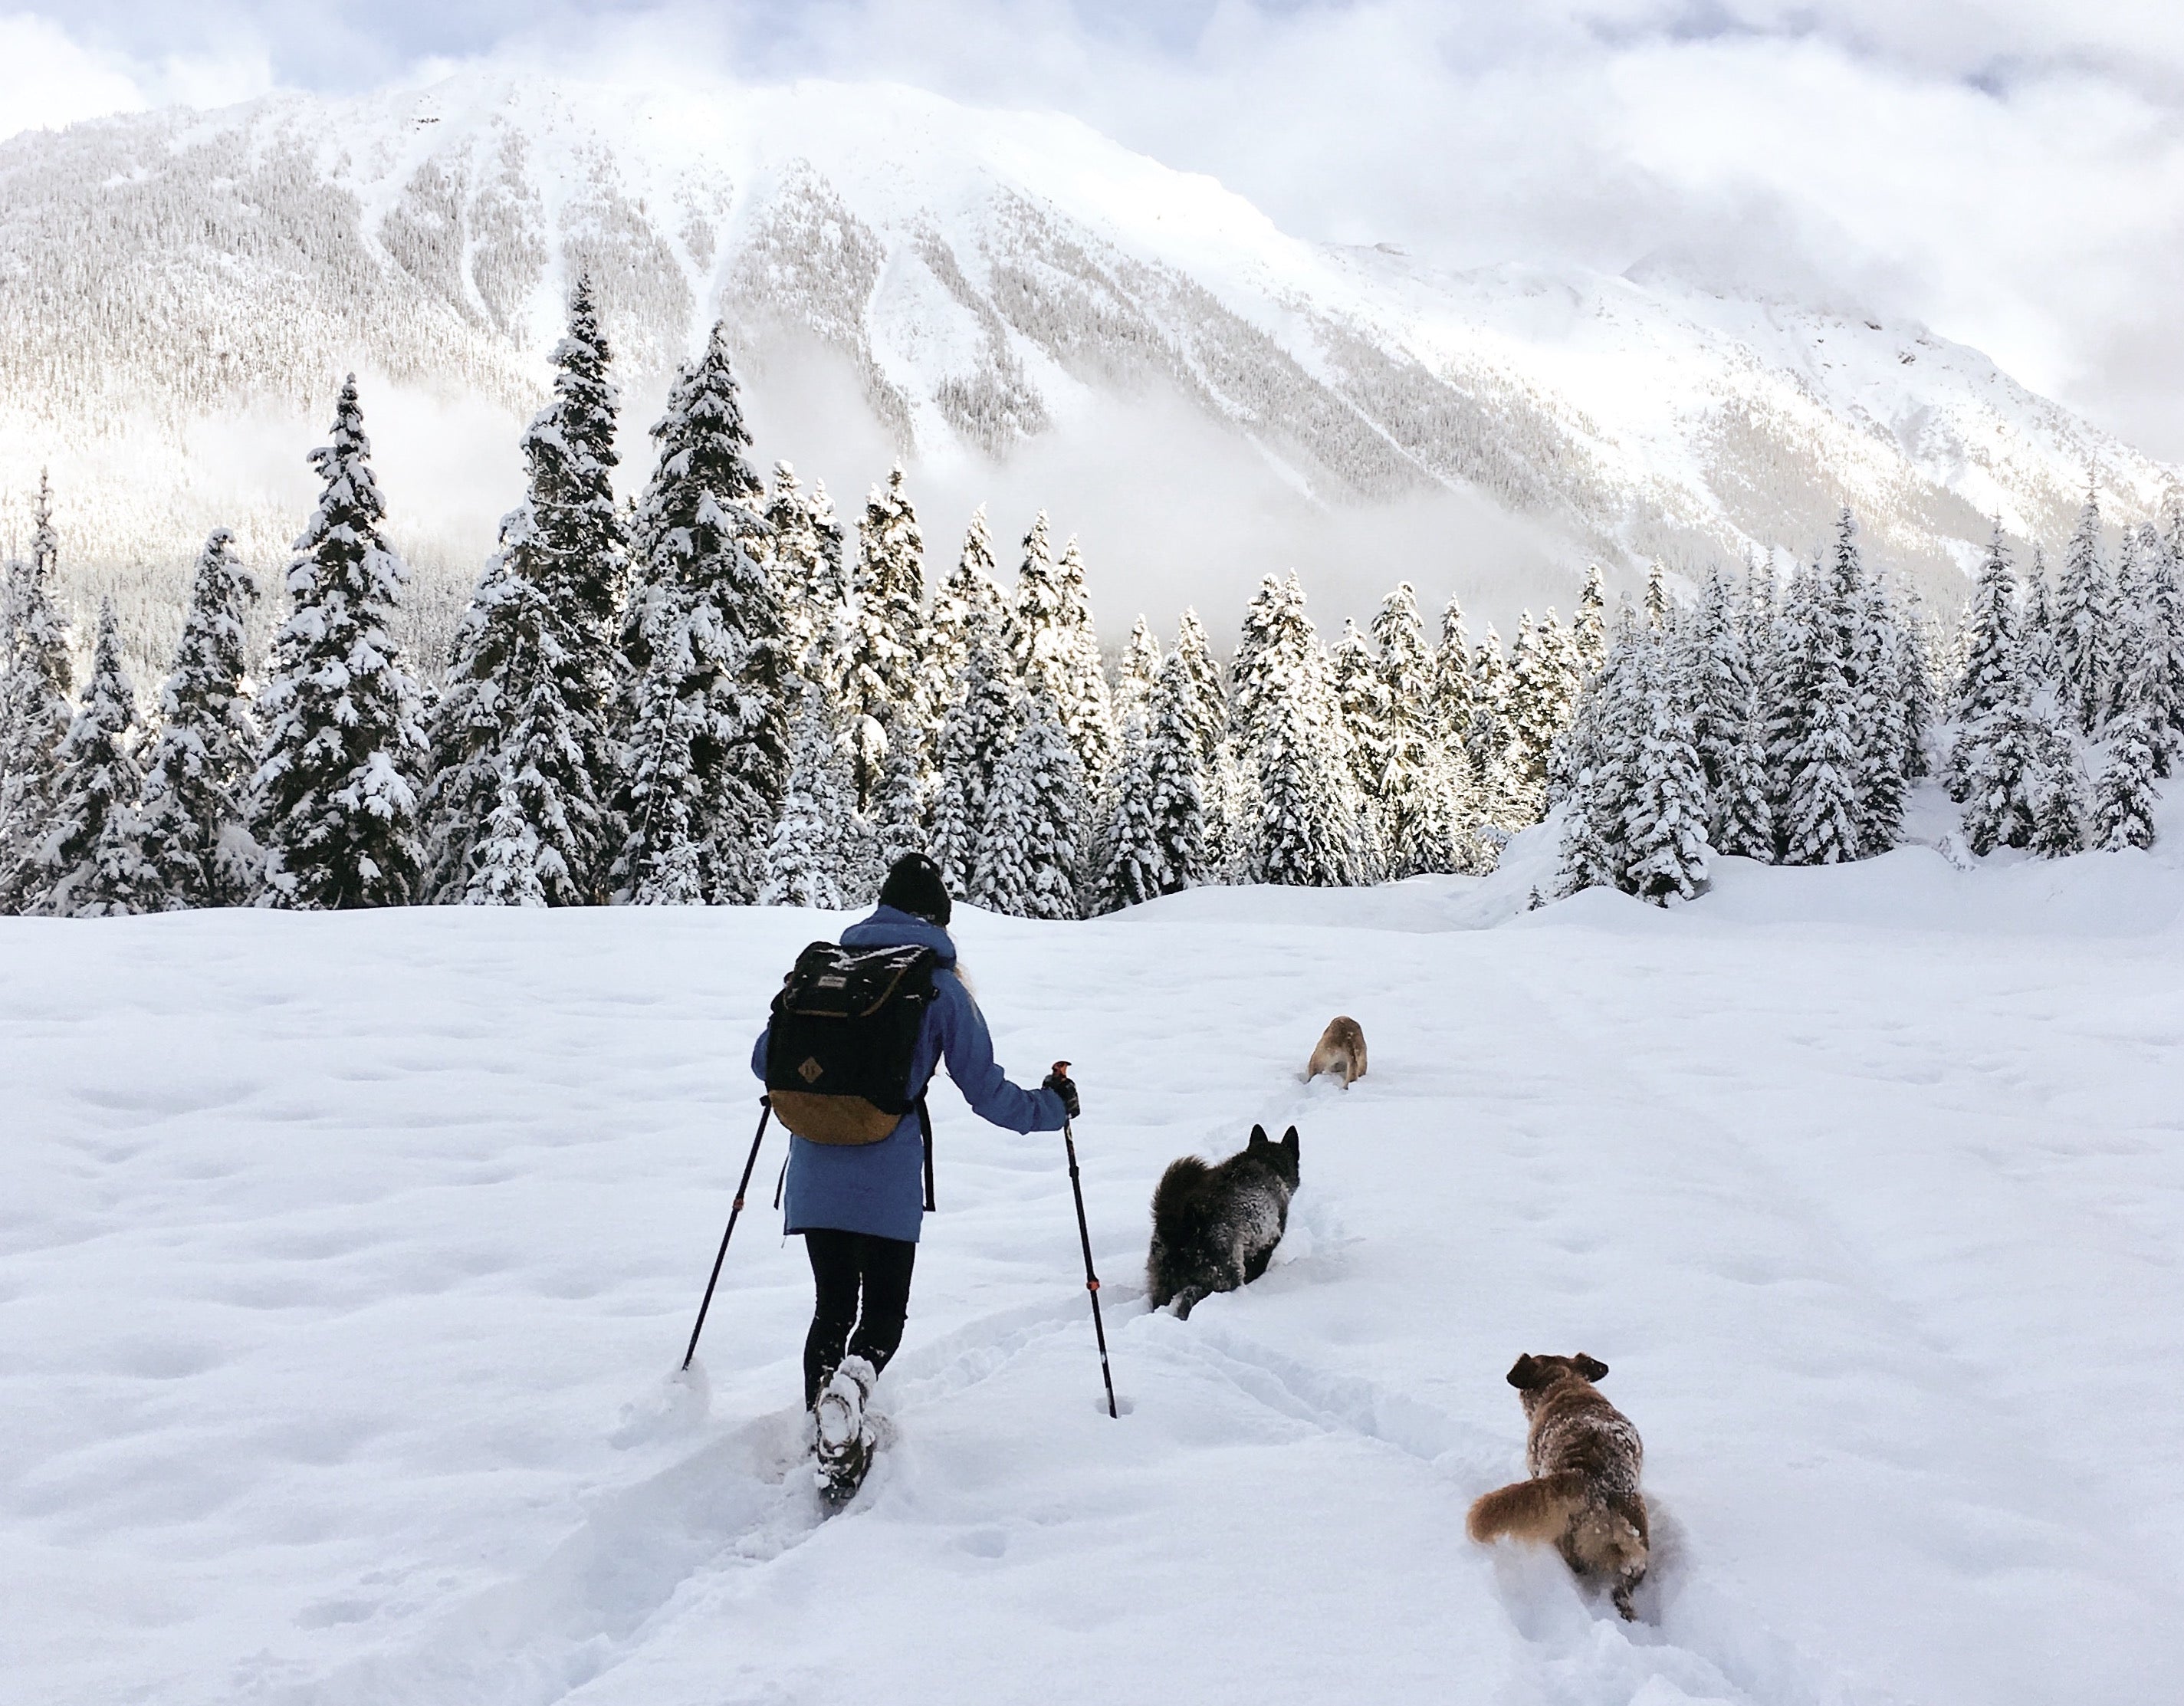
x,y
1258,1135
1590,1367
1526,1373
1290,1138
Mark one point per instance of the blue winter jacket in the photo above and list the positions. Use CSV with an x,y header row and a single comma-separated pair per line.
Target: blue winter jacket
x,y
879,1188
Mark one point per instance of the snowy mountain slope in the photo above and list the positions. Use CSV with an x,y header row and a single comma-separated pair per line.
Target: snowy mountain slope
x,y
348,1259
179,293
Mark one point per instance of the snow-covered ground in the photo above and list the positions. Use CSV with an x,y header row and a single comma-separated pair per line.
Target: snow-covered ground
x,y
345,1262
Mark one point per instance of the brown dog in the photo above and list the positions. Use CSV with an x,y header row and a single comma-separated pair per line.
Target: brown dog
x,y
1585,1458
1341,1050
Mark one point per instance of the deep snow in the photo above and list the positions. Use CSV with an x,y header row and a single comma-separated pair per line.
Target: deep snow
x,y
347,1259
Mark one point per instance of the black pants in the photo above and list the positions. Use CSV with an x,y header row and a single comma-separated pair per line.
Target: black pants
x,y
843,1265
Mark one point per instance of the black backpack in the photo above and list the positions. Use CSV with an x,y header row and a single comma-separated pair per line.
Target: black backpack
x,y
840,1046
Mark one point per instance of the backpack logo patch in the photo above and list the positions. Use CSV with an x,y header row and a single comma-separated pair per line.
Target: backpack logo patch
x,y
810,1070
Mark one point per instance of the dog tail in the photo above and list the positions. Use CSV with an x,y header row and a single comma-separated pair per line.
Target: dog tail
x,y
1539,1509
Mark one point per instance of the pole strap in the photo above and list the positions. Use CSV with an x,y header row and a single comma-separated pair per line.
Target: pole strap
x,y
925,1125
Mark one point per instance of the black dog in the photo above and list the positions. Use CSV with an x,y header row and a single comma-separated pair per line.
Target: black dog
x,y
1215,1227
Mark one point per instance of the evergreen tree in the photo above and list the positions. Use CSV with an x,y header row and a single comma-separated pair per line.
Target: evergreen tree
x,y
1135,870
35,713
197,851
1036,612
1412,778
1500,763
2123,803
1288,730
1989,681
2084,614
1539,708
1821,824
1602,790
524,764
1452,677
887,687
1178,774
705,759
1999,763
1088,712
334,802
1657,596
1591,635
979,728
2057,786
804,551
1141,662
89,864
1028,855
1203,705
1884,737
581,548
968,595
2164,693
2039,649
803,860
1359,697
1666,858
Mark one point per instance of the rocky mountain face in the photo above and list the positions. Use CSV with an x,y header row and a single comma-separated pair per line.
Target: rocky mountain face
x,y
983,293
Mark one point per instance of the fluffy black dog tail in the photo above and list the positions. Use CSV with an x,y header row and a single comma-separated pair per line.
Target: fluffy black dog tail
x,y
1175,1197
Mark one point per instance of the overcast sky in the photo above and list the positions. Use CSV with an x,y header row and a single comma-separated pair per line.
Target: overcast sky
x,y
2010,171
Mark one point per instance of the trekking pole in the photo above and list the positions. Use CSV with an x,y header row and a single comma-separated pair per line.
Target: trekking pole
x,y
1084,1236
765,1113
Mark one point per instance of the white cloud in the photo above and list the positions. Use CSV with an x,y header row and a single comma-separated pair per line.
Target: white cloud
x,y
47,80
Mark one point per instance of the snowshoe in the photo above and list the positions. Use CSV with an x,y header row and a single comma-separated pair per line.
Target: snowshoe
x,y
843,1451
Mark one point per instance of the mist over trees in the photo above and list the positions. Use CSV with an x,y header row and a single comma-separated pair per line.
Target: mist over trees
x,y
722,695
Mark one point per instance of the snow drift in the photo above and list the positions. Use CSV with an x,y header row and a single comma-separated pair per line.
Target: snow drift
x,y
348,1261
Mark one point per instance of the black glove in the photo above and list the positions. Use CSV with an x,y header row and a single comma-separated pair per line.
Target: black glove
x,y
1066,1088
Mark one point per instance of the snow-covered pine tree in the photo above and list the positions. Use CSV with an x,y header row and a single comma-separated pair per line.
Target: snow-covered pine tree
x,y
968,593
805,577
1028,854
2039,649
1591,636
581,549
1884,735
1140,664
705,757
1415,779
197,851
1656,595
1712,650
1538,707
1134,870
90,864
1035,610
1991,680
1179,778
523,763
1088,712
2084,614
897,810
35,712
1602,764
1500,762
1359,696
1821,822
2060,808
2124,798
979,728
2163,690
803,860
1204,703
886,690
1666,858
1288,733
335,800
1452,685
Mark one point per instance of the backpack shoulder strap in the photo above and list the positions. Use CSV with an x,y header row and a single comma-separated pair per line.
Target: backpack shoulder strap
x,y
925,1125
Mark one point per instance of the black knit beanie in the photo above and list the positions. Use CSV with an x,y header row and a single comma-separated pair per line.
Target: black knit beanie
x,y
914,886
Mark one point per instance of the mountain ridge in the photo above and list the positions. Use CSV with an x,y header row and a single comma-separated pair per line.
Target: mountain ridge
x,y
183,290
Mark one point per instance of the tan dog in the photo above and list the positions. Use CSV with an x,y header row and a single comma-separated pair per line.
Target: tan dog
x,y
1585,1458
1341,1050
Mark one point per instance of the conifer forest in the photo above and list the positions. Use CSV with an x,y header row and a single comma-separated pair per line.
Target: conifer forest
x,y
723,695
